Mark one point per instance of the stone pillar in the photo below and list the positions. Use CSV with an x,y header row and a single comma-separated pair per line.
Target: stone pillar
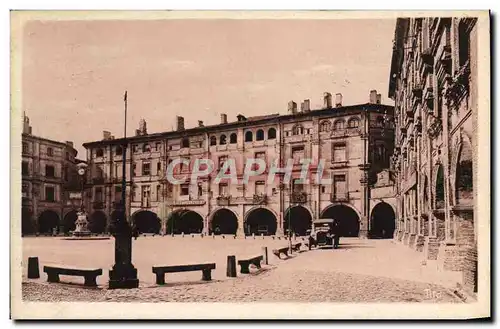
x,y
241,221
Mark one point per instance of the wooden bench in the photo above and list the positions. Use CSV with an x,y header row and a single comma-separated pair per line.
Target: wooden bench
x,y
280,251
245,263
90,275
206,270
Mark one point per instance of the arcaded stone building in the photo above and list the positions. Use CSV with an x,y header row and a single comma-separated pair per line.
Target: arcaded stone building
x,y
434,84
49,182
355,142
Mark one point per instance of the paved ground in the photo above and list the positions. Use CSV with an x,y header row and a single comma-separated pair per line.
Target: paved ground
x,y
361,271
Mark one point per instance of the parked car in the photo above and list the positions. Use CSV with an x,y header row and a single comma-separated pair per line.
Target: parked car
x,y
321,233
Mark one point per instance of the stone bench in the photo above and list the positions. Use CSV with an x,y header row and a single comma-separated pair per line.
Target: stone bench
x,y
245,263
280,251
90,275
206,270
296,246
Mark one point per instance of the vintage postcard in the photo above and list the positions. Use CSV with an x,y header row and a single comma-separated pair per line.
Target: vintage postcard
x,y
256,165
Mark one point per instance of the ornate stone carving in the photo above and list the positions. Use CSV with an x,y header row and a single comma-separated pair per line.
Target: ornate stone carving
x,y
434,126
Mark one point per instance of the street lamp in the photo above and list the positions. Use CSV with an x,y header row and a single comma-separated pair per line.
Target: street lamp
x,y
81,223
123,274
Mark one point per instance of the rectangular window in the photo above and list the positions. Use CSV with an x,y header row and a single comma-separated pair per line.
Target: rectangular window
x,y
146,195
157,147
25,147
146,169
98,194
297,153
50,193
222,160
200,190
223,189
463,44
339,153
158,167
25,168
340,186
134,167
260,188
118,194
297,186
135,148
50,171
50,151
184,189
118,170
25,190
158,192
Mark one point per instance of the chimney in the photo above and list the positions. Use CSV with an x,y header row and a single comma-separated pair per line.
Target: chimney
x,y
180,123
223,118
241,117
327,100
142,127
26,124
69,143
137,132
305,106
373,96
106,135
292,107
200,123
379,99
338,100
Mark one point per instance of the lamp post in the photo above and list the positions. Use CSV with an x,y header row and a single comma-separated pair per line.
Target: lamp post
x,y
123,275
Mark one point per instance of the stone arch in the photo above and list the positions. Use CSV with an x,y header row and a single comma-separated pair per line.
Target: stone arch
x,y
249,136
184,221
27,224
146,221
439,185
69,221
271,133
47,221
339,124
325,126
223,221
97,222
259,135
383,221
348,217
462,177
298,219
233,138
260,220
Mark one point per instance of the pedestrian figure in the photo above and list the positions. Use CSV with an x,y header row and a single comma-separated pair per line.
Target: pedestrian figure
x,y
336,233
135,232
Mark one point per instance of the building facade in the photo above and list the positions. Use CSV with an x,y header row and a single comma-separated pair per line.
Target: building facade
x,y
355,142
434,84
49,180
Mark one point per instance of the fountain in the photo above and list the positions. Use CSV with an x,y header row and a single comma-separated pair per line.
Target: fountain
x,y
82,231
81,223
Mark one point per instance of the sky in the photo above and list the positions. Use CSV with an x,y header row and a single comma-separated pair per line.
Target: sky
x,y
75,73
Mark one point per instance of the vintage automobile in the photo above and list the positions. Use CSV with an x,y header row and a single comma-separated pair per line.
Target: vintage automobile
x,y
321,233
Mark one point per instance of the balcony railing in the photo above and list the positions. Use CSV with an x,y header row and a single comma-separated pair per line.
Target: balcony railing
x,y
298,197
339,196
259,198
339,164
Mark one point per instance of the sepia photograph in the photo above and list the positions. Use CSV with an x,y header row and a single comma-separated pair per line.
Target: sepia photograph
x,y
257,165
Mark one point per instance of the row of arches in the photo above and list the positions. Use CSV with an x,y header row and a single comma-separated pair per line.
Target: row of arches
x,y
48,220
233,138
258,221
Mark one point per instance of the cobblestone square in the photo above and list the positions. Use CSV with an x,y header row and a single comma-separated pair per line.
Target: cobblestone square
x,y
360,271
